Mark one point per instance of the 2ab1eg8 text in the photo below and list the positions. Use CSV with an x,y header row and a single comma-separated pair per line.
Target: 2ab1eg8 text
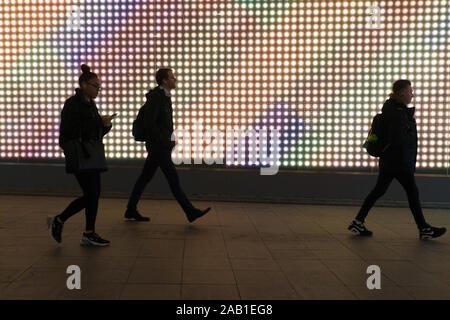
x,y
252,309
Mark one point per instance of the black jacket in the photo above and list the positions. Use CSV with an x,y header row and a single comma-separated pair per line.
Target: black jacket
x,y
401,152
80,119
158,120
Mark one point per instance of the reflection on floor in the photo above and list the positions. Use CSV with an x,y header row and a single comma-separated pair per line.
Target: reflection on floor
x,y
238,251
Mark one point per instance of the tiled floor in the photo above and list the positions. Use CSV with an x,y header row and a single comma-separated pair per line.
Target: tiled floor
x,y
237,251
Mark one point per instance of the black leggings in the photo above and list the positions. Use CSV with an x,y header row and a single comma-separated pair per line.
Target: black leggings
x,y
90,184
407,180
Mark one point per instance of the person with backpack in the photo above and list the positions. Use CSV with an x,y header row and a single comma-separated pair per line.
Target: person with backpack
x,y
394,138
80,136
154,125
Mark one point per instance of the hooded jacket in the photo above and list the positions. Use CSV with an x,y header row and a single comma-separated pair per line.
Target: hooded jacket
x,y
158,120
401,152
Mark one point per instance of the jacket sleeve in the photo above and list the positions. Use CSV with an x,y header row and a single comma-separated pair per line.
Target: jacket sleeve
x,y
70,126
151,114
106,130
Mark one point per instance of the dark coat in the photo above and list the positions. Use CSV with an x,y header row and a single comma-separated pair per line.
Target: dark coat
x,y
80,120
401,152
158,120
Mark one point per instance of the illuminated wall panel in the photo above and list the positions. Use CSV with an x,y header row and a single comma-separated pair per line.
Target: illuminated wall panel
x,y
315,70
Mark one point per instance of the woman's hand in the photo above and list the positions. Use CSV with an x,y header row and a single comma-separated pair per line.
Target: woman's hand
x,y
107,120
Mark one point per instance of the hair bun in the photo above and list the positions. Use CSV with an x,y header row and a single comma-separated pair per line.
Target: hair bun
x,y
85,68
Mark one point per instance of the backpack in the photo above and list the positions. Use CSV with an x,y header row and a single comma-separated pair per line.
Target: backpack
x,y
139,129
375,143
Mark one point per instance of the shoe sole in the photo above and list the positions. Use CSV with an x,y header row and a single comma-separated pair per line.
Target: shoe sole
x,y
427,237
357,232
204,214
132,219
430,236
85,242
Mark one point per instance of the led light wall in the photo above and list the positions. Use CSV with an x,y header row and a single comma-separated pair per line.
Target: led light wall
x,y
317,71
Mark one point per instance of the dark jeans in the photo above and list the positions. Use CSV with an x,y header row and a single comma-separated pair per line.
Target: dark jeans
x,y
162,159
90,184
406,179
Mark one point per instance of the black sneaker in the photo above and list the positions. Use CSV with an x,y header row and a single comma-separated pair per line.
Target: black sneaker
x,y
93,239
359,228
197,214
135,215
55,228
431,232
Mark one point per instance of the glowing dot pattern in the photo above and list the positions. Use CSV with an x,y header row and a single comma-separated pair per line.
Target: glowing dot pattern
x,y
314,70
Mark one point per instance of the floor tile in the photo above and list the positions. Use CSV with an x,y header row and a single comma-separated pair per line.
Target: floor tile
x,y
209,263
205,248
163,248
209,292
325,293
438,292
264,291
151,275
254,264
151,292
385,293
248,249
93,291
204,276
